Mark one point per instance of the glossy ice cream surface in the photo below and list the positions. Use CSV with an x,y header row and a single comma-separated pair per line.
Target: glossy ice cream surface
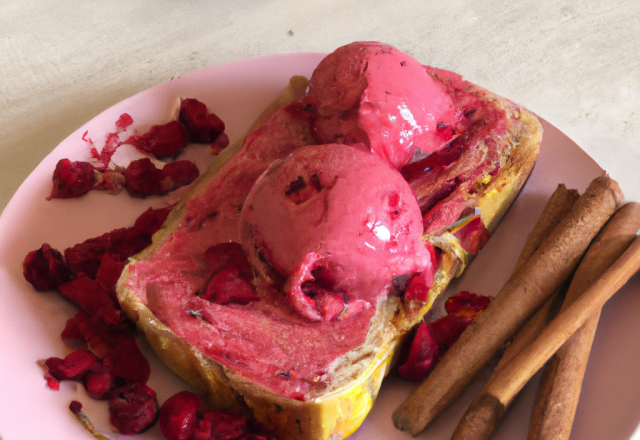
x,y
374,94
333,221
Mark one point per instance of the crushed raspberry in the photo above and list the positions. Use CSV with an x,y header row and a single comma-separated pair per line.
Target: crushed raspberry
x,y
201,125
231,276
84,258
133,408
99,381
446,330
181,172
179,415
124,121
74,366
93,298
433,340
220,425
143,179
423,353
45,269
162,140
115,345
111,144
420,284
71,179
52,382
117,348
183,417
121,244
466,303
228,287
72,334
150,221
109,272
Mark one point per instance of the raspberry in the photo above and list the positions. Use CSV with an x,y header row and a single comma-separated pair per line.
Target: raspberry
x,y
72,179
133,408
201,125
179,415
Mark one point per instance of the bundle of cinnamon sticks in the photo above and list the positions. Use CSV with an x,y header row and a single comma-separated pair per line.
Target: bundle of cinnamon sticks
x,y
566,229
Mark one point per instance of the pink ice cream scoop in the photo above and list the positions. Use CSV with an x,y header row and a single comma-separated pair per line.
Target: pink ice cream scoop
x,y
374,94
332,225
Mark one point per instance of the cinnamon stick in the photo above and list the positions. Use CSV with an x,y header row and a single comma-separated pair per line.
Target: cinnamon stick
x,y
502,387
525,292
557,400
557,207
560,391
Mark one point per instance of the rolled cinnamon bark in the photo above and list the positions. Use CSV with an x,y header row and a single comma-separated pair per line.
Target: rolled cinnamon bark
x,y
561,384
523,294
558,206
502,387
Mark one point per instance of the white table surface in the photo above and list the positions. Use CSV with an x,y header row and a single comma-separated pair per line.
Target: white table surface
x,y
574,63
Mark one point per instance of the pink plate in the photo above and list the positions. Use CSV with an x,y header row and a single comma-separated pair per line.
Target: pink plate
x,y
31,322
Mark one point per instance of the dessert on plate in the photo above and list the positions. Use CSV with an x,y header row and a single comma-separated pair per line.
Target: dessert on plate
x,y
285,280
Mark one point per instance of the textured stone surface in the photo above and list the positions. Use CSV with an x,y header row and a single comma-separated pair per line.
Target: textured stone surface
x,y
575,63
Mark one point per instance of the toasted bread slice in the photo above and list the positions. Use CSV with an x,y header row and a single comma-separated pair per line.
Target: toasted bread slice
x,y
339,407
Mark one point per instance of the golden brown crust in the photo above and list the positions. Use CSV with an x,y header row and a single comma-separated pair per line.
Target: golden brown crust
x,y
348,399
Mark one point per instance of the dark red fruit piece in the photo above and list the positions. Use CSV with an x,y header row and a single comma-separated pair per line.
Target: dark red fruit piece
x,y
181,172
143,179
124,121
75,407
115,345
133,408
125,359
220,143
72,179
91,296
220,425
162,140
420,284
99,381
72,334
52,364
228,287
230,275
423,353
121,243
45,269
228,254
52,383
466,303
446,330
109,272
151,220
201,125
179,415
74,366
